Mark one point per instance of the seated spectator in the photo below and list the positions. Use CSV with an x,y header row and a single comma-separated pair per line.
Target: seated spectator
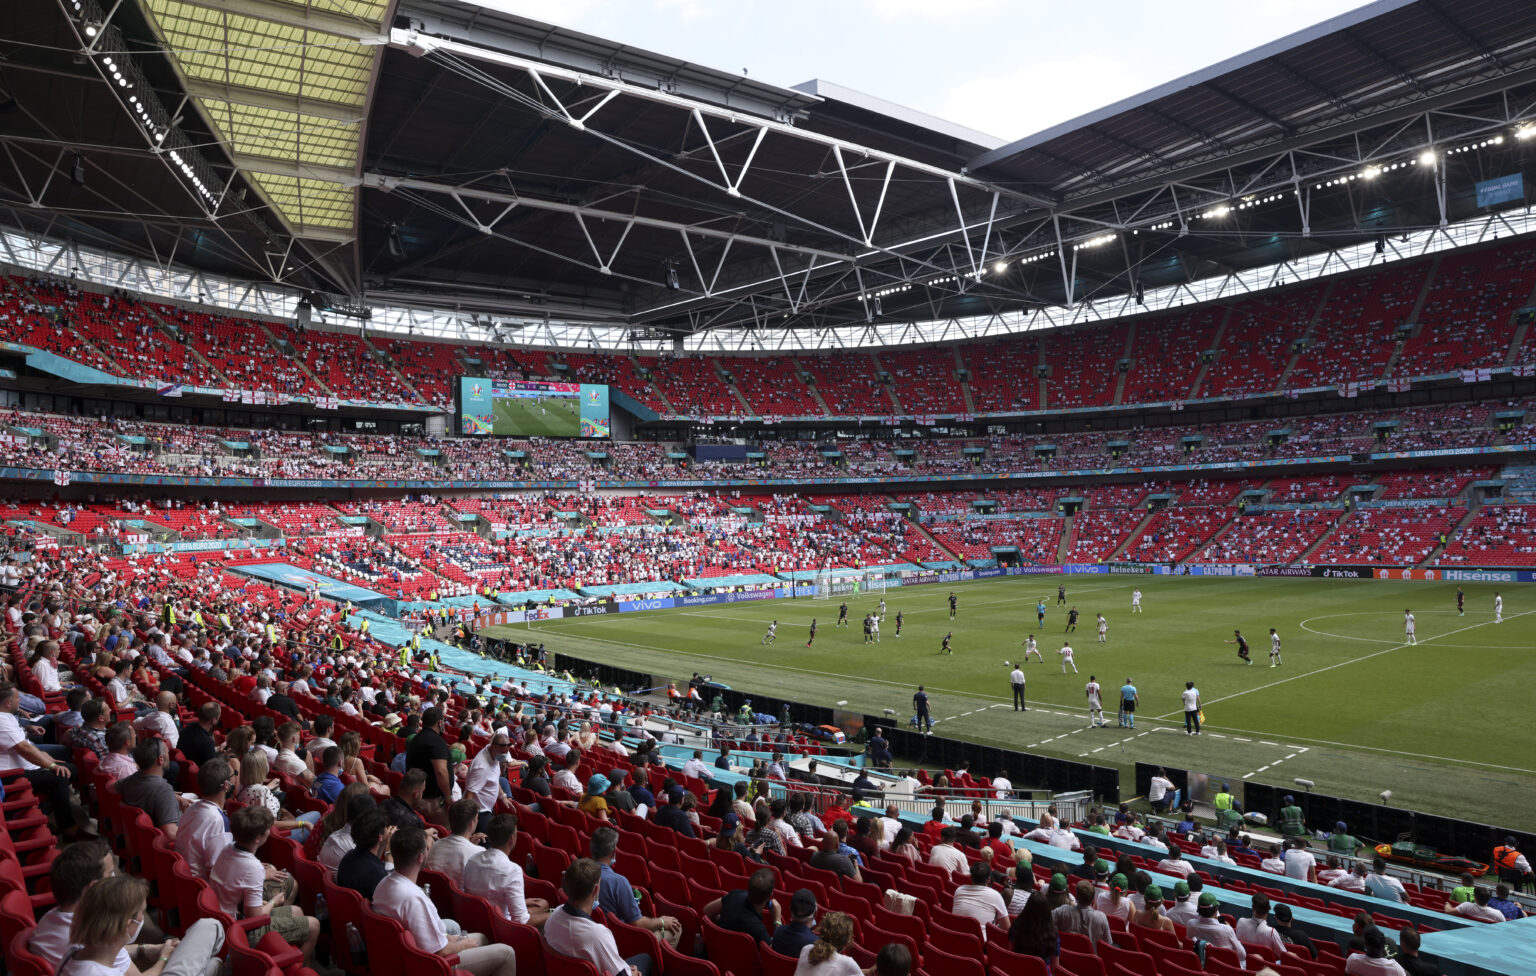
x,y
148,790
1256,930
1208,927
201,835
91,733
617,897
197,739
1293,938
743,910
571,931
364,865
340,841
826,956
1033,933
1275,862
450,854
1408,955
161,720
1150,915
565,776
1184,906
246,887
49,777
671,814
1374,960
800,931
257,790
327,784
289,762
1112,900
893,959
78,866
979,900
110,915
399,897
946,853
1174,863
1501,901
494,876
403,808
322,727
1477,908
592,802
827,858
1382,885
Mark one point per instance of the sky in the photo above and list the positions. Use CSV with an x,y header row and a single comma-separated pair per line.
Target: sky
x,y
1009,68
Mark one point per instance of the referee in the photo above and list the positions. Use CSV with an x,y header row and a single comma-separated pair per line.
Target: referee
x,y
1017,680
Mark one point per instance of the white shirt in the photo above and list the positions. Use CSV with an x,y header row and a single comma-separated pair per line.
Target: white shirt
x,y
577,935
1361,964
161,724
1002,786
336,847
1181,867
402,899
1136,596
981,903
483,783
1471,909
237,878
449,856
1104,901
791,835
1257,931
1273,865
1066,650
839,964
891,828
1217,933
948,857
1158,788
695,768
1299,863
1183,910
1408,622
201,837
1093,691
1016,676
12,735
1191,699
493,876
47,675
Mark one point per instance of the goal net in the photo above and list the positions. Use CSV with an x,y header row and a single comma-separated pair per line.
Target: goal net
x,y
842,583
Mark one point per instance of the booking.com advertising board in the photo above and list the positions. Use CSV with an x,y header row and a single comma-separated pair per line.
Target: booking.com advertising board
x,y
1433,575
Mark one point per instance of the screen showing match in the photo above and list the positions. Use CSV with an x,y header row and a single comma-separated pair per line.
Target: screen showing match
x,y
531,408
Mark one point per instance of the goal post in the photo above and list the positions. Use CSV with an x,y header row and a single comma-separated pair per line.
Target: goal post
x,y
842,583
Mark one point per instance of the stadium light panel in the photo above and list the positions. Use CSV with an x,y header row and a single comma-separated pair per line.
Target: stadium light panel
x,y
1000,267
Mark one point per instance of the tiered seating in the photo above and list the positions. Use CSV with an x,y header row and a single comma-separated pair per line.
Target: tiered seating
x,y
1353,338
293,518
1311,488
1176,531
1083,372
432,368
1499,535
1440,483
1166,355
693,387
772,386
616,371
238,349
401,516
1388,536
1467,318
1256,344
1036,538
1097,533
37,323
925,380
1002,373
1267,538
345,364
848,384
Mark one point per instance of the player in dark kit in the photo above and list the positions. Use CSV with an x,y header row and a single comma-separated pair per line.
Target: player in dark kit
x,y
1461,602
842,615
946,649
813,633
1242,646
898,623
953,603
1061,595
1071,621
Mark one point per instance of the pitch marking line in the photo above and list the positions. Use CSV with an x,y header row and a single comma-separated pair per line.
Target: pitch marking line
x,y
1277,762
1342,664
1379,640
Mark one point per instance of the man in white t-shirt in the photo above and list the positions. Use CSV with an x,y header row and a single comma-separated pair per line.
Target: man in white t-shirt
x,y
1158,790
246,887
201,835
449,855
1300,865
1478,908
1207,927
947,855
979,900
1002,786
494,876
1175,864
571,930
1136,601
1190,696
1066,658
399,897
1256,929
1275,862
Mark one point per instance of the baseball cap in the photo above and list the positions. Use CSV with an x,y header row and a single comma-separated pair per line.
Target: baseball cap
x,y
1289,799
598,783
1101,868
1181,889
729,820
1153,894
1282,912
803,903
1118,882
1208,899
1058,882
675,794
1341,827
617,776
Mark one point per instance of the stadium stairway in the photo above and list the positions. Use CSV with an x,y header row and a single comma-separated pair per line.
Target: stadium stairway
x,y
1135,534
735,389
890,389
1296,346
1323,537
655,389
821,402
388,362
965,384
296,360
1205,367
1122,375
1065,545
1521,331
1473,508
922,530
78,335
1413,316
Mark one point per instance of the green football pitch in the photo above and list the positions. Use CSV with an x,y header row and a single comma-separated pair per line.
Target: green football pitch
x,y
560,417
1445,724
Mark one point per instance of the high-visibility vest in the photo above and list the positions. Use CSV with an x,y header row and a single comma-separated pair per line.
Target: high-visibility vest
x,y
1504,858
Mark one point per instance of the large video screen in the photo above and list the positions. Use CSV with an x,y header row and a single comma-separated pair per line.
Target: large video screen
x,y
529,408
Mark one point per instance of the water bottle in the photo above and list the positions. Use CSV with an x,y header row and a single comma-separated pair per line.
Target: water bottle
x,y
427,888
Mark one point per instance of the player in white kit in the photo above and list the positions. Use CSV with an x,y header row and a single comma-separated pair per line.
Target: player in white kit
x,y
874,623
1103,630
1136,601
1031,648
1408,627
772,635
1274,648
881,614
1066,658
1095,703
1498,608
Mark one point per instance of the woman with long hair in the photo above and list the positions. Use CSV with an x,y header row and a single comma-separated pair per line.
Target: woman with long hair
x,y
1149,916
352,764
825,957
903,845
1114,902
1033,933
237,745
332,821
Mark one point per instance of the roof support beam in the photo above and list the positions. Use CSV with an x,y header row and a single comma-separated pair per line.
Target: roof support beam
x,y
305,16
256,98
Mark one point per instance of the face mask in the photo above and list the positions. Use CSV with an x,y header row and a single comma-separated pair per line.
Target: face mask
x,y
135,929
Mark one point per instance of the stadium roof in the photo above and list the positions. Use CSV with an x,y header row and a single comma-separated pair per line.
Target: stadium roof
x,y
436,153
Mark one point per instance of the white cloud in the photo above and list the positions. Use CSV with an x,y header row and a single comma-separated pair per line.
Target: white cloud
x,y
1028,98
